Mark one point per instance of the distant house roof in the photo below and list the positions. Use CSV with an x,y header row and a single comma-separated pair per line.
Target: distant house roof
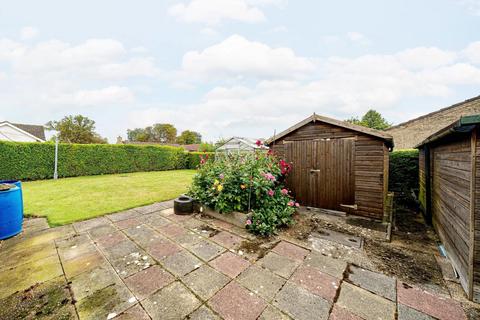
x,y
37,131
347,125
191,147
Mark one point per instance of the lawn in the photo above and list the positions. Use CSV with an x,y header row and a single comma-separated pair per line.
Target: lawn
x,y
73,199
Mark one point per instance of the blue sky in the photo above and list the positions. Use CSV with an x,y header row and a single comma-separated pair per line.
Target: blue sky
x,y
234,67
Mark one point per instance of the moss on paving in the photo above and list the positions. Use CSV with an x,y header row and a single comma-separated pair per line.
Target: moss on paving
x,y
50,300
68,200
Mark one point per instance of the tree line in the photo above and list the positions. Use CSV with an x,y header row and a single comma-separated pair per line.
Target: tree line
x,y
81,129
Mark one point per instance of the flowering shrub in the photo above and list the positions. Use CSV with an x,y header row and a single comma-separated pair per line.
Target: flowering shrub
x,y
251,183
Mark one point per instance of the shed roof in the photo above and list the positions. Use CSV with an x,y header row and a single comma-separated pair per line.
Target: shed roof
x,y
315,117
463,125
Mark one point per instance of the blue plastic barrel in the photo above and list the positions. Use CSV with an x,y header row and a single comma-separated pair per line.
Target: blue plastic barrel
x,y
18,184
11,216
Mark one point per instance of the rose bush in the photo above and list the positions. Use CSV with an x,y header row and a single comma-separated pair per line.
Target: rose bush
x,y
251,183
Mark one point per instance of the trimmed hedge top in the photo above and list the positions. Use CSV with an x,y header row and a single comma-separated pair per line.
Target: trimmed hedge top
x,y
34,161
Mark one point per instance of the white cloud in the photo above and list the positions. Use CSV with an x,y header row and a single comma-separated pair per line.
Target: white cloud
x,y
358,37
213,12
239,57
346,87
27,33
472,52
98,97
473,6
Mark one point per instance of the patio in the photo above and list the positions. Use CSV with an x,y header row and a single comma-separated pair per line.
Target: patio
x,y
147,263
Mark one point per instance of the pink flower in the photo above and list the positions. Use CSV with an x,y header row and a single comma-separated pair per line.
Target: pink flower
x,y
221,176
258,143
271,193
269,176
297,204
291,203
248,222
284,191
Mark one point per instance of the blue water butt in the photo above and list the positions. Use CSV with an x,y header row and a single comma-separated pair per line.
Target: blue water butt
x,y
18,184
11,216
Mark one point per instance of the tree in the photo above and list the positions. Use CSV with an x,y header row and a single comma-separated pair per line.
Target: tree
x,y
159,132
206,147
164,133
189,137
371,119
76,129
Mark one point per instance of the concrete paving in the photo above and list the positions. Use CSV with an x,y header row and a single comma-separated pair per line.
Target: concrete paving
x,y
147,263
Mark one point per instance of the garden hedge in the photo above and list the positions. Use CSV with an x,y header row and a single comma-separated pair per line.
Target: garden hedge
x,y
34,161
403,175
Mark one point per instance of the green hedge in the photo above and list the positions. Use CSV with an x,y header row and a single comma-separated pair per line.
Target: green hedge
x,y
194,158
403,176
34,161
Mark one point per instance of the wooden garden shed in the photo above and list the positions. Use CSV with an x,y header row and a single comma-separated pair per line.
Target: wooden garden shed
x,y
336,165
449,175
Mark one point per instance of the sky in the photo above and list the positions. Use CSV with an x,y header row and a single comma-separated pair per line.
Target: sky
x,y
234,67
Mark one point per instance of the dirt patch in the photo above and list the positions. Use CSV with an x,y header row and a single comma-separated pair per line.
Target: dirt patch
x,y
258,248
50,300
205,228
301,228
407,265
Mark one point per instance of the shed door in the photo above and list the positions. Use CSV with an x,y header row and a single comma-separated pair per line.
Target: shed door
x,y
323,172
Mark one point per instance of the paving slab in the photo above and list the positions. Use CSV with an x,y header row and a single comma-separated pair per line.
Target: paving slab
x,y
121,249
203,313
230,264
181,263
106,303
132,263
101,231
272,313
364,303
236,302
26,275
172,230
48,300
301,304
188,239
87,283
110,240
134,313
206,250
166,212
261,281
146,282
179,218
84,263
155,207
163,249
291,251
38,238
13,257
316,282
193,224
331,266
205,281
128,223
279,265
31,225
227,239
155,220
339,313
407,313
143,235
124,215
75,247
426,302
374,282
172,302
86,225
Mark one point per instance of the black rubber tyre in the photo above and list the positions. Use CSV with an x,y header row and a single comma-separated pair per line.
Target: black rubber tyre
x,y
183,205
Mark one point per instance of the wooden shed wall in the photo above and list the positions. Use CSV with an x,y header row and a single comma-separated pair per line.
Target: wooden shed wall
x,y
422,196
371,163
475,229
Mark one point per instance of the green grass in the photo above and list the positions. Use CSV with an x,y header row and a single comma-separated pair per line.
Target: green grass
x,y
73,199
